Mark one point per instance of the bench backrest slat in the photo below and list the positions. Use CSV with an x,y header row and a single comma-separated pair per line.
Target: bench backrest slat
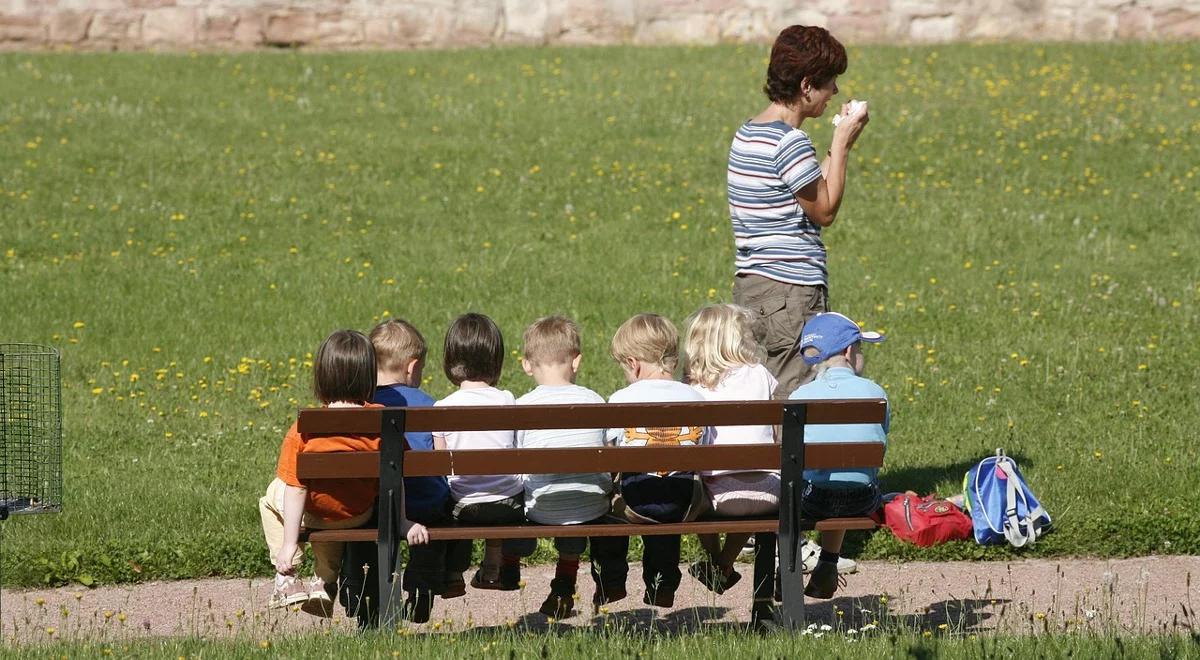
x,y
343,465
366,421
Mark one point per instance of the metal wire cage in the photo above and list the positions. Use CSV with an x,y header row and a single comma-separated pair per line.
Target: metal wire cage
x,y
30,430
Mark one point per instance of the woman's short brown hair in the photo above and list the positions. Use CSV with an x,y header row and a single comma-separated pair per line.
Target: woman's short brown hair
x,y
474,350
802,52
344,368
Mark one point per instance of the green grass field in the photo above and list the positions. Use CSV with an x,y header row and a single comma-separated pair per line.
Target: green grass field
x,y
606,645
1021,220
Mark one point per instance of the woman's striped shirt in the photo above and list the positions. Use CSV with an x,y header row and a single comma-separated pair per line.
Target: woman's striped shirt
x,y
768,166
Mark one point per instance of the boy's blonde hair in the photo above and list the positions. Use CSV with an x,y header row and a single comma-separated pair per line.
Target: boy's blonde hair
x,y
551,340
397,342
649,338
719,338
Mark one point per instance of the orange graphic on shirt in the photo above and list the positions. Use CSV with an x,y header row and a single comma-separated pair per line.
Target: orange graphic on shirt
x,y
664,435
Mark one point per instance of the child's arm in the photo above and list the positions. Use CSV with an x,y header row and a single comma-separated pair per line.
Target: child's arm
x,y
416,533
612,437
439,441
293,511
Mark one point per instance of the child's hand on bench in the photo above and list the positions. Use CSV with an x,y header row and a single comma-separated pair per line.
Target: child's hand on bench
x,y
416,533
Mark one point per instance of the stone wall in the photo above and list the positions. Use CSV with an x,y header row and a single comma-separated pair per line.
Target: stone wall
x,y
346,24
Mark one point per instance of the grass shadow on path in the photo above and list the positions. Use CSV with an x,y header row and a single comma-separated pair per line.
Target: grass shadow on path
x,y
958,615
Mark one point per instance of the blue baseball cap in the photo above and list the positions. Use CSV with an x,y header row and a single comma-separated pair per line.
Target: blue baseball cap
x,y
831,333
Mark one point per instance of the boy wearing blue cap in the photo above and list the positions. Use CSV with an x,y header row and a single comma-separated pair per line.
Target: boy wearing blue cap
x,y
832,344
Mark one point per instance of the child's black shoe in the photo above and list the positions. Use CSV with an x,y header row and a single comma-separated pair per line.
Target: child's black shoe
x,y
509,579
417,607
561,600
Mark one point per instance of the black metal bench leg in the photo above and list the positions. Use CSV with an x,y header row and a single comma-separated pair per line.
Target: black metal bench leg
x,y
391,499
791,565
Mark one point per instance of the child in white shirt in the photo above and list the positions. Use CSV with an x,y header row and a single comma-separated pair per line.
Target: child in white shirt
x,y
473,356
722,365
647,348
551,356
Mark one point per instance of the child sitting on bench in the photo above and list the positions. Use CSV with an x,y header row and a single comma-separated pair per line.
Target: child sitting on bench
x,y
551,356
832,343
343,377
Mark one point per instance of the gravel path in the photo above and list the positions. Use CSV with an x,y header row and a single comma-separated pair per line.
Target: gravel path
x,y
1149,594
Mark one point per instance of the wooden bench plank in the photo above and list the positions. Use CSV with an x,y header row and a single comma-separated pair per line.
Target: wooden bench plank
x,y
532,530
832,455
366,421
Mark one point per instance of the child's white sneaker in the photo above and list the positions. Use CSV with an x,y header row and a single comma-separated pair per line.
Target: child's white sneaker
x,y
748,550
320,598
287,593
810,552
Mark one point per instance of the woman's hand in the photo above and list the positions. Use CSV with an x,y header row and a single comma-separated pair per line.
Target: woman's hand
x,y
851,126
283,560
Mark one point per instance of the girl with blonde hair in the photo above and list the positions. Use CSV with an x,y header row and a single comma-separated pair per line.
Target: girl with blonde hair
x,y
723,365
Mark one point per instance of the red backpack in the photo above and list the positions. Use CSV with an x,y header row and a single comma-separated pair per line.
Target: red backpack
x,y
925,521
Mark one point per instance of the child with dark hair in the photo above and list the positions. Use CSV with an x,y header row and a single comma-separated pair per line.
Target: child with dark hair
x,y
473,356
343,377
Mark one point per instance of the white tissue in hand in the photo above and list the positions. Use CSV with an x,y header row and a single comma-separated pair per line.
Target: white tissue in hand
x,y
855,106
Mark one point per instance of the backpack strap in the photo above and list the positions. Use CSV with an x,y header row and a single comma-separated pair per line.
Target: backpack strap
x,y
1012,530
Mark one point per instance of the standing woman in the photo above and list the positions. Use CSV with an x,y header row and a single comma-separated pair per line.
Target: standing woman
x,y
781,195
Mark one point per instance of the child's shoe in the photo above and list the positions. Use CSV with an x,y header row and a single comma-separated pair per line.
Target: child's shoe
x,y
748,550
659,598
561,600
287,593
417,607
712,577
607,594
810,552
823,582
508,579
320,598
455,588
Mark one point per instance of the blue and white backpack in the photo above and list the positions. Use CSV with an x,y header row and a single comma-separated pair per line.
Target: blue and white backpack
x,y
1001,506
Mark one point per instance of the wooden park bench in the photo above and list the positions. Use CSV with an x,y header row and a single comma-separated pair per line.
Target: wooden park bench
x,y
791,457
